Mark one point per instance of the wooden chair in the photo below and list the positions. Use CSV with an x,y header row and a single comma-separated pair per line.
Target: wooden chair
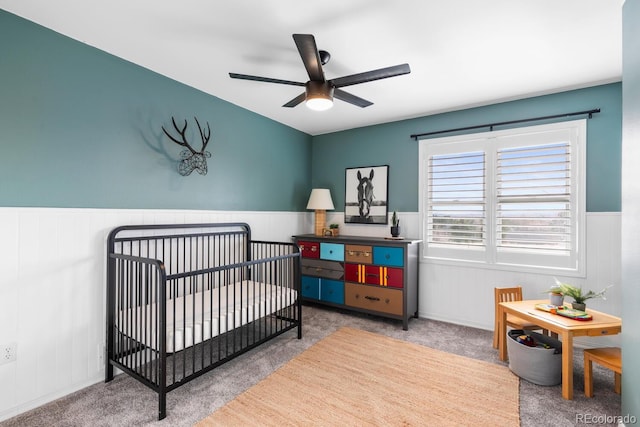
x,y
610,358
504,295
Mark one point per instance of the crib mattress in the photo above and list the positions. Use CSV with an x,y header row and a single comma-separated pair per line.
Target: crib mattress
x,y
203,315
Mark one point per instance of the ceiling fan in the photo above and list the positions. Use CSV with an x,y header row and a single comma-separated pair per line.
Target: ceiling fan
x,y
319,92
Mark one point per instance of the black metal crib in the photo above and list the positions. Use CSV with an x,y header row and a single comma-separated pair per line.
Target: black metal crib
x,y
184,299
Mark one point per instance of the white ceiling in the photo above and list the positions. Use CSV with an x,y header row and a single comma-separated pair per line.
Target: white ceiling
x,y
462,53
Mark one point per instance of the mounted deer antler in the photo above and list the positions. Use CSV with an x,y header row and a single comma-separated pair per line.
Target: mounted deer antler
x,y
191,159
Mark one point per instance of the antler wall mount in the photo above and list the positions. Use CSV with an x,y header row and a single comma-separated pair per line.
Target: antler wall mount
x,y
191,159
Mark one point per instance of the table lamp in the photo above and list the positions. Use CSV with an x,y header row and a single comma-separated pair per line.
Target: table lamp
x,y
320,201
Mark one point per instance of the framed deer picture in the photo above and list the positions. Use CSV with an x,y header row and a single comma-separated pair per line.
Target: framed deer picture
x,y
366,195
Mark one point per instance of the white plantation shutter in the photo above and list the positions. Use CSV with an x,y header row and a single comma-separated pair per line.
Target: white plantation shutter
x,y
512,199
534,198
457,214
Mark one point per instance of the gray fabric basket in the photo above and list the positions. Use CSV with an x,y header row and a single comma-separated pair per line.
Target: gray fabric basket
x,y
538,365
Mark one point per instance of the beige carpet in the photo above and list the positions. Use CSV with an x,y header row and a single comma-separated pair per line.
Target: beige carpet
x,y
353,377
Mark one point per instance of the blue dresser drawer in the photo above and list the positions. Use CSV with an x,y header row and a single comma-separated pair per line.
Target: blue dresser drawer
x,y
310,287
332,251
332,291
388,256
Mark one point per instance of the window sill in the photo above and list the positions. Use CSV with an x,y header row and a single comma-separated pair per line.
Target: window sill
x,y
536,269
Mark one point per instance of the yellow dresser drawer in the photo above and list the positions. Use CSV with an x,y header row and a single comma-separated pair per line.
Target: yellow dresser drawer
x,y
358,254
373,298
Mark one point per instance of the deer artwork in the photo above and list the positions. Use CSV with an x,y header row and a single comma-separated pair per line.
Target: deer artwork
x,y
191,159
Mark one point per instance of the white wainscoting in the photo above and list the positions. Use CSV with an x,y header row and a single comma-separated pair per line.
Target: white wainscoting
x,y
52,291
52,286
464,295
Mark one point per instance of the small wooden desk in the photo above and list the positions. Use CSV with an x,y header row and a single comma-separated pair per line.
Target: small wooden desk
x,y
601,325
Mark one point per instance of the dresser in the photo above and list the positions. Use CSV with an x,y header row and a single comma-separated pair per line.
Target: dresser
x,y
366,274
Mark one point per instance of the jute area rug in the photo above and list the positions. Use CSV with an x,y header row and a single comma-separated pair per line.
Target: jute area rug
x,y
353,377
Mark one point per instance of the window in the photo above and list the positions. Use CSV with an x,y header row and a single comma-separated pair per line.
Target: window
x,y
509,199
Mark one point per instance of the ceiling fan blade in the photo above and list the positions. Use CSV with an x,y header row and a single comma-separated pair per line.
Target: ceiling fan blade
x,y
297,100
310,57
351,99
264,79
369,76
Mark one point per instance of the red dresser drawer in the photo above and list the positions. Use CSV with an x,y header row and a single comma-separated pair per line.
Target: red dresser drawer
x,y
309,249
374,275
354,272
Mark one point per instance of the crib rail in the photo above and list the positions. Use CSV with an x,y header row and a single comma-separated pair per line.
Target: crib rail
x,y
184,248
172,317
135,282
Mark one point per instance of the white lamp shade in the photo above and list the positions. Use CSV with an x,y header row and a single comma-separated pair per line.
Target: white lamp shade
x,y
320,199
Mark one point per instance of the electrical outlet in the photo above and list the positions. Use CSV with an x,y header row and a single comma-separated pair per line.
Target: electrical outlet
x,y
8,353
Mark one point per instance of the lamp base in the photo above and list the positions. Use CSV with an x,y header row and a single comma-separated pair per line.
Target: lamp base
x,y
321,221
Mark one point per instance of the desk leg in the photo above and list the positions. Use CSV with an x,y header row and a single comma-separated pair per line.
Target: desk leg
x,y
567,365
502,334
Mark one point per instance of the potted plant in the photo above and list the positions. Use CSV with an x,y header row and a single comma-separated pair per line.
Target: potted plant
x,y
395,225
555,296
335,229
579,296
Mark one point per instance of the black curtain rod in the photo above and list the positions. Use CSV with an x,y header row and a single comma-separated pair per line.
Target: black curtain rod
x,y
491,125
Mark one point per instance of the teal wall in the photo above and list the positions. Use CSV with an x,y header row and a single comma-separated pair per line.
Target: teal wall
x,y
82,128
390,144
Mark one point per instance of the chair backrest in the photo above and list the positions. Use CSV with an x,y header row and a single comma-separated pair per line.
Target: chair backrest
x,y
508,294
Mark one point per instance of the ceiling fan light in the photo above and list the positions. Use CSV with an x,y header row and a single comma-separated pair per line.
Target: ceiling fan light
x,y
319,95
319,104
